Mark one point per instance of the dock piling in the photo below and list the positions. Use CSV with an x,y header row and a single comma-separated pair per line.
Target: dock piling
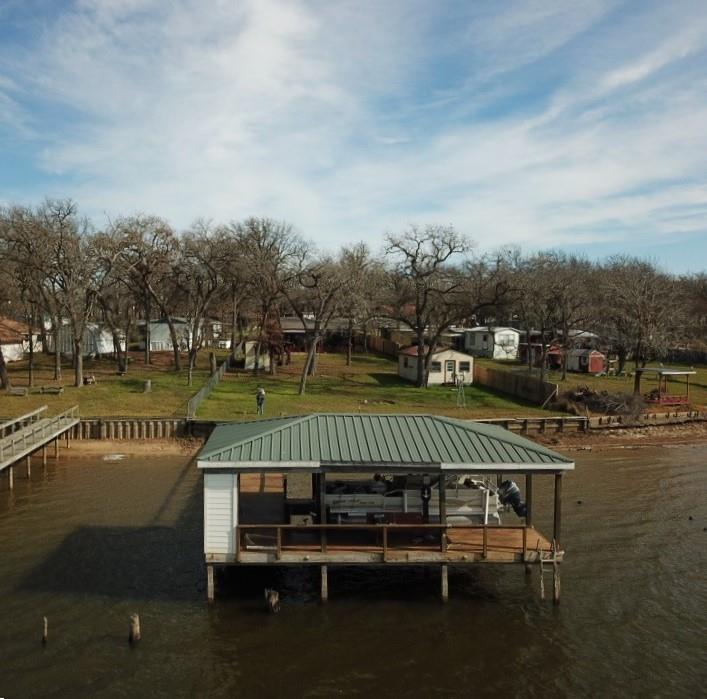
x,y
28,462
134,635
210,583
10,477
445,583
325,584
45,631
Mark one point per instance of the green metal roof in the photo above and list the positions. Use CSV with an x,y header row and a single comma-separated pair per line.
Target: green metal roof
x,y
369,440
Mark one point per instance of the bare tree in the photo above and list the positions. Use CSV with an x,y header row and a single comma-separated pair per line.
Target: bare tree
x,y
199,277
644,306
268,249
425,290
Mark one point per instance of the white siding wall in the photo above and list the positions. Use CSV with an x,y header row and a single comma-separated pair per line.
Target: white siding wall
x,y
220,512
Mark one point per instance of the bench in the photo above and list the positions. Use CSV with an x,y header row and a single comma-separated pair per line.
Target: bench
x,y
18,391
52,390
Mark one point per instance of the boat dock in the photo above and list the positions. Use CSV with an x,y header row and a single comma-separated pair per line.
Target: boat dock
x,y
22,436
391,490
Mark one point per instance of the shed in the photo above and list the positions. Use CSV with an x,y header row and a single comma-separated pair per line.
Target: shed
x,y
445,366
256,524
588,361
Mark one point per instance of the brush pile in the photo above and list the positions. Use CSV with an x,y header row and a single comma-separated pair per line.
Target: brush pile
x,y
583,400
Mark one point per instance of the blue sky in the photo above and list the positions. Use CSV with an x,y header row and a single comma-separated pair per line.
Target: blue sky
x,y
576,125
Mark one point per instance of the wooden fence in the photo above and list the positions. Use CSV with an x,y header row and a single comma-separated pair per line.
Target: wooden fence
x,y
515,384
383,346
203,393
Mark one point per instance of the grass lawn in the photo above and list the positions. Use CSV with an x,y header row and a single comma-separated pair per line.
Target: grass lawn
x,y
623,384
370,385
112,395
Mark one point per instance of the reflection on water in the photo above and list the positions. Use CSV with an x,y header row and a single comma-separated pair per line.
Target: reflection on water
x,y
90,541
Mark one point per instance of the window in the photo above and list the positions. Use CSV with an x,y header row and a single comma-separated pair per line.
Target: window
x,y
436,368
464,366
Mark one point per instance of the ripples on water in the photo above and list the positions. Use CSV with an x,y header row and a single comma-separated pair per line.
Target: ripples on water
x,y
91,541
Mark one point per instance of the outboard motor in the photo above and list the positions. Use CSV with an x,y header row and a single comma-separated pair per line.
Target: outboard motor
x,y
509,493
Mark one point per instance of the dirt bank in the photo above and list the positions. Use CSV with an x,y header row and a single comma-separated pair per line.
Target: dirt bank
x,y
629,437
90,447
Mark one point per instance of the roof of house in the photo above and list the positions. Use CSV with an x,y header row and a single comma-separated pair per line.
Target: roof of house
x,y
12,332
485,329
412,351
373,441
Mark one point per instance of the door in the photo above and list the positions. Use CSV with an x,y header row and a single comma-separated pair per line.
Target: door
x,y
450,370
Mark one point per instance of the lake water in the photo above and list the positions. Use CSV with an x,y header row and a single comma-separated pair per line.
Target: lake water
x,y
89,541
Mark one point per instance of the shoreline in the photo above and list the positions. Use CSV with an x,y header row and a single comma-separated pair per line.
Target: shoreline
x,y
181,446
606,439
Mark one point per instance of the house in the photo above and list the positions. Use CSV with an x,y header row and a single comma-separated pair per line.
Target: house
x,y
160,336
586,360
445,366
97,340
13,336
496,343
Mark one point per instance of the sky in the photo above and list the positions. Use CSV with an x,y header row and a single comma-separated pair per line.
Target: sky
x,y
577,125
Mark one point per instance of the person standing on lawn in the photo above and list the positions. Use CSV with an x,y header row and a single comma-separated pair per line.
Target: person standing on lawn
x,y
260,400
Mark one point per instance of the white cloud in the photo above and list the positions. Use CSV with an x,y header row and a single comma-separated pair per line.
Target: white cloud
x,y
350,119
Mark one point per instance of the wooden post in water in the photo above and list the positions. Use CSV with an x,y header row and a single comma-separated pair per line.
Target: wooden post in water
x,y
45,632
325,584
210,583
28,461
10,477
44,455
322,510
67,439
134,634
557,516
445,583
443,511
56,448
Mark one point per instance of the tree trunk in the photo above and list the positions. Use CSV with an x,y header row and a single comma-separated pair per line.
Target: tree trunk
x,y
636,373
78,362
57,350
30,373
4,378
420,383
234,324
175,344
349,344
307,362
621,352
43,335
148,336
192,364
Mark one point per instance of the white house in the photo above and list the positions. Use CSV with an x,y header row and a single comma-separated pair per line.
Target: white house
x,y
97,340
445,365
496,343
161,338
12,339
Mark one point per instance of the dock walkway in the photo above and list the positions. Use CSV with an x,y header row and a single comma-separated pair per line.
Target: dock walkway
x,y
23,436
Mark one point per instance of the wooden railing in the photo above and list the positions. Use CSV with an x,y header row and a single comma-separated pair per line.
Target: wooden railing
x,y
17,423
277,534
37,433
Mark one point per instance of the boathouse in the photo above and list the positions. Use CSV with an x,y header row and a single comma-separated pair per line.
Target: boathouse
x,y
340,489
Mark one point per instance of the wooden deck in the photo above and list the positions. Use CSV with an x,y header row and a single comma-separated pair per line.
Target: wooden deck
x,y
395,544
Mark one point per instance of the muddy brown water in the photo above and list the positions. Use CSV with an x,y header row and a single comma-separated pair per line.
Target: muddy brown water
x,y
89,541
